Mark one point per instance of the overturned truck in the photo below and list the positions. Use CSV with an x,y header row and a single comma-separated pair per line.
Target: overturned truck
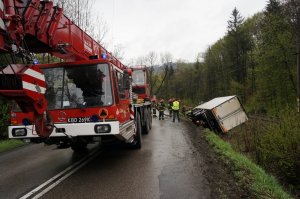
x,y
219,114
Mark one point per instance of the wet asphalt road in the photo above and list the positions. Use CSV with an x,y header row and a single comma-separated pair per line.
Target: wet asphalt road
x,y
25,168
165,167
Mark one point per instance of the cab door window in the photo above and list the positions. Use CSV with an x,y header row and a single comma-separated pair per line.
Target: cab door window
x,y
116,88
121,85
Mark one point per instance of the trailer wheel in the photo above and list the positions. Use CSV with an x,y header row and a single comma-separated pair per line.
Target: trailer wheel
x,y
137,142
146,127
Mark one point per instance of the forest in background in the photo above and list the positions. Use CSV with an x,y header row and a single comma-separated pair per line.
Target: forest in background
x,y
255,60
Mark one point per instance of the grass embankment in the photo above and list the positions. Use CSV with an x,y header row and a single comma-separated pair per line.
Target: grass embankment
x,y
251,176
6,145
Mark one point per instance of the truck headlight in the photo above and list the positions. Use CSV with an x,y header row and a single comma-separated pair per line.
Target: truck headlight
x,y
102,128
19,132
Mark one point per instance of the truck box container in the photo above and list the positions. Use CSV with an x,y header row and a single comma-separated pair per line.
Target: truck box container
x,y
220,114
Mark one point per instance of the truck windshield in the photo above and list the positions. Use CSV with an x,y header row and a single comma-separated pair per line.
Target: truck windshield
x,y
138,77
78,86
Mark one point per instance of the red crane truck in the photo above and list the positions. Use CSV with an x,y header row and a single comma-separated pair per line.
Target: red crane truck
x,y
87,97
141,90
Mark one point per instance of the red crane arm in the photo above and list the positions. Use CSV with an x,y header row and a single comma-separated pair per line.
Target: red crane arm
x,y
45,29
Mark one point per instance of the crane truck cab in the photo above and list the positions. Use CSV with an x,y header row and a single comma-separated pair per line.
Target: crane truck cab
x,y
141,95
70,103
86,100
140,82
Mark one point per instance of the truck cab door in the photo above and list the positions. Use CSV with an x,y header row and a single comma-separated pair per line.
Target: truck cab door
x,y
124,101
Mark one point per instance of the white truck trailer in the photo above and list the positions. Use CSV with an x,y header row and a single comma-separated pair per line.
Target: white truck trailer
x,y
220,114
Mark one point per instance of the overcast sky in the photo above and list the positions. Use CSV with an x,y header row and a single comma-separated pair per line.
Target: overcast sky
x,y
183,28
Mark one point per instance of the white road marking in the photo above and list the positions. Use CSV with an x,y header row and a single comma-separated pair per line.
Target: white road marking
x,y
54,181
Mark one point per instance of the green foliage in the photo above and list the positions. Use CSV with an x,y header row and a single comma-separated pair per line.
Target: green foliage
x,y
4,118
276,66
47,58
254,60
273,144
237,44
252,177
6,145
280,145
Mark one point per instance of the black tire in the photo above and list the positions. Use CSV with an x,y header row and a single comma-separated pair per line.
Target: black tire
x,y
146,127
79,146
137,142
150,119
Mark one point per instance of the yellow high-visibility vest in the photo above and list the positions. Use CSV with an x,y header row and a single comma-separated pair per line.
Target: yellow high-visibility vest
x,y
175,105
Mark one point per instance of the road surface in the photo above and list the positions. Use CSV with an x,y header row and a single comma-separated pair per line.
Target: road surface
x,y
174,162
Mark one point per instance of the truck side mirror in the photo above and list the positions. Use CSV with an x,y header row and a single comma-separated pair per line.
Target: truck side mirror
x,y
126,80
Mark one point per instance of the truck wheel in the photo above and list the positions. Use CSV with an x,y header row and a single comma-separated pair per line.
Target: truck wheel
x,y
79,146
146,127
150,119
137,142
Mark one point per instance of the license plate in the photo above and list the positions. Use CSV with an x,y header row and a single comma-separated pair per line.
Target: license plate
x,y
78,119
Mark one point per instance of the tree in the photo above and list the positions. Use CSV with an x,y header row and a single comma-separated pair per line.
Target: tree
x,y
118,51
235,22
237,44
80,12
274,57
273,6
292,10
166,60
151,61
100,30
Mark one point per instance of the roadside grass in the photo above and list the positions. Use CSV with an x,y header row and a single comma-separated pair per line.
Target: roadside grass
x,y
248,174
6,145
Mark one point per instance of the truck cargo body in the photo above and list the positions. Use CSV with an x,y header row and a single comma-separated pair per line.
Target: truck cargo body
x,y
220,114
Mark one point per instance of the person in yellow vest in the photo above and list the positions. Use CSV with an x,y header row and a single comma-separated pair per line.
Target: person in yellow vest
x,y
175,109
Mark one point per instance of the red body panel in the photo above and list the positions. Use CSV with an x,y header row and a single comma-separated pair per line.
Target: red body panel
x,y
143,91
118,112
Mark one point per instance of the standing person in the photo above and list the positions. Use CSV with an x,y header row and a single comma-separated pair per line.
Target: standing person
x,y
153,105
183,110
175,109
170,104
161,108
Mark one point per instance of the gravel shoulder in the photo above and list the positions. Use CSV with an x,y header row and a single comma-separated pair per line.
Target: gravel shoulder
x,y
219,177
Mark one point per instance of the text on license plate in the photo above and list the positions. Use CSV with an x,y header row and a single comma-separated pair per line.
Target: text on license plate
x,y
78,119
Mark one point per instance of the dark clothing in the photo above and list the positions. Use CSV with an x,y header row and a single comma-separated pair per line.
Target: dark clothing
x,y
161,115
154,109
154,112
176,113
170,108
161,108
183,110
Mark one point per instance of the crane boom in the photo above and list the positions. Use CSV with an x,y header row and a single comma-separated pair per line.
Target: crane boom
x,y
43,28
